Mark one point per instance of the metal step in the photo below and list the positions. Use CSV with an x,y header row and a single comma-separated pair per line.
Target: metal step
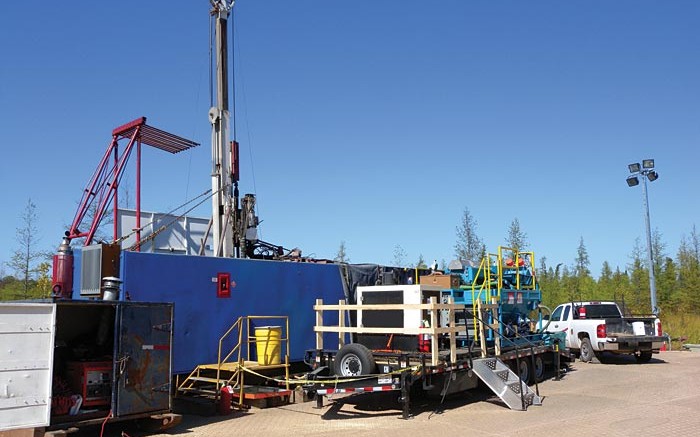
x,y
505,383
205,379
196,390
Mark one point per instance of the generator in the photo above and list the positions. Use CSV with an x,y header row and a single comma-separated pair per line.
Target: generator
x,y
408,318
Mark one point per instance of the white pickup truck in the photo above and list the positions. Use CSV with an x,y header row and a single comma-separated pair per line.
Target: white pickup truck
x,y
595,327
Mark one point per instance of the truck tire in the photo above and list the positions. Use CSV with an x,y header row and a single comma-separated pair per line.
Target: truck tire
x,y
353,360
586,350
642,357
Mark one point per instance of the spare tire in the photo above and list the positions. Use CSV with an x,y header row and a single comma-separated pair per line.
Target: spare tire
x,y
354,360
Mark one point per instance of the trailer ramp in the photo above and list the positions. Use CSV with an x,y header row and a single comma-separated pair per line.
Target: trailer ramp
x,y
505,383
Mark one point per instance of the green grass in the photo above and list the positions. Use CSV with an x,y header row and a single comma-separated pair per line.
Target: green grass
x,y
680,325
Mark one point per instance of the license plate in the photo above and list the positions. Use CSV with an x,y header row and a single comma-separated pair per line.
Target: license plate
x,y
384,379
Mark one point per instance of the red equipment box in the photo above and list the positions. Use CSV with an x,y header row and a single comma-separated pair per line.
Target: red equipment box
x,y
92,380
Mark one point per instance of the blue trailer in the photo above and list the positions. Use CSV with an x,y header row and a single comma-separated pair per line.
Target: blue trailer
x,y
203,313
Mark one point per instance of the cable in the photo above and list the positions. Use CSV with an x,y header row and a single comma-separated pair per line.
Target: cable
x,y
102,431
119,240
164,227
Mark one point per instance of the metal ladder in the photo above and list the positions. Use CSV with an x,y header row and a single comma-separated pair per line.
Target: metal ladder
x,y
505,383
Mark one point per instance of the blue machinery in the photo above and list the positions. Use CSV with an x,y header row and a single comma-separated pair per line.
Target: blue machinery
x,y
502,288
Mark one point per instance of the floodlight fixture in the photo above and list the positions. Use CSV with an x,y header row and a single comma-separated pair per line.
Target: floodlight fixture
x,y
652,175
648,163
632,181
634,168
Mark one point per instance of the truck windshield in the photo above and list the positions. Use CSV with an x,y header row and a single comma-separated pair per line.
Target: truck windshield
x,y
602,311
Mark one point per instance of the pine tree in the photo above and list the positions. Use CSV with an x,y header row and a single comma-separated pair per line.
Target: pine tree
x,y
468,246
399,259
605,287
583,283
639,280
687,295
342,255
517,239
666,284
421,262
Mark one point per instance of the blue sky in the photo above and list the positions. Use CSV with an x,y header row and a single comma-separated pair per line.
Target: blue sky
x,y
374,123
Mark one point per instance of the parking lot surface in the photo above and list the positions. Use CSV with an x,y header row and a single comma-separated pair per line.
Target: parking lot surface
x,y
618,398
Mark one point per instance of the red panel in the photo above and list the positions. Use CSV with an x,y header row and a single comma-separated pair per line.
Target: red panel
x,y
223,285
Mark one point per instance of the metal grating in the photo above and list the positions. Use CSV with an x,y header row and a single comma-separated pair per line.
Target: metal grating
x,y
153,136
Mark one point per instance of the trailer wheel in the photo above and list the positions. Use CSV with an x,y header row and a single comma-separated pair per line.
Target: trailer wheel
x,y
525,372
538,372
586,350
354,360
642,357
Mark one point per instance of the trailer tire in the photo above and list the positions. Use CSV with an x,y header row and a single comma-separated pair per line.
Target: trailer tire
x,y
642,357
525,372
586,350
354,360
538,371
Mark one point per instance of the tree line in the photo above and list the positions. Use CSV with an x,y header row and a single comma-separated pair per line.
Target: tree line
x,y
677,276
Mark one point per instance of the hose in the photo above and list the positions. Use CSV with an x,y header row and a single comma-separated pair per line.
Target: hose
x,y
549,320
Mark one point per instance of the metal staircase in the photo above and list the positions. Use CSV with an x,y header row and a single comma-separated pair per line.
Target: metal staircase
x,y
206,380
505,383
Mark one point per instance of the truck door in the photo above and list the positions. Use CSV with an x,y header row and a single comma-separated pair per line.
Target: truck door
x,y
27,333
560,322
142,372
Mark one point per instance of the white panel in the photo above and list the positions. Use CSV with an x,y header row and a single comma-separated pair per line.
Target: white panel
x,y
183,235
26,347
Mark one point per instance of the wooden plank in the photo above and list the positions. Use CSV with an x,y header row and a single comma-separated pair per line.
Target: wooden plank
x,y
366,330
319,324
341,324
381,307
453,335
433,324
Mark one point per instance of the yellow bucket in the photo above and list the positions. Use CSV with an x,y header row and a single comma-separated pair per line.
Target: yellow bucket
x,y
267,344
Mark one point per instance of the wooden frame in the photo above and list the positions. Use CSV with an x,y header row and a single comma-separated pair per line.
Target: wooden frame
x,y
433,331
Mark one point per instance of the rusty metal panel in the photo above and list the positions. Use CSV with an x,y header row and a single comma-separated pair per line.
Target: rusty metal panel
x,y
143,362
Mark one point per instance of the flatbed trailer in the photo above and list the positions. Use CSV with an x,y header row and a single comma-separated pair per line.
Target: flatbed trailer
x,y
441,368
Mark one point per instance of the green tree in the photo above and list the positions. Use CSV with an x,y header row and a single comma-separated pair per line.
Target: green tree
x,y
468,246
26,257
582,265
639,280
605,289
583,284
342,255
43,283
517,239
666,284
421,262
688,291
621,285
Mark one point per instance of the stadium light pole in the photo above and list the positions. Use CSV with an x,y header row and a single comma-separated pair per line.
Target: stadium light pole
x,y
646,171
